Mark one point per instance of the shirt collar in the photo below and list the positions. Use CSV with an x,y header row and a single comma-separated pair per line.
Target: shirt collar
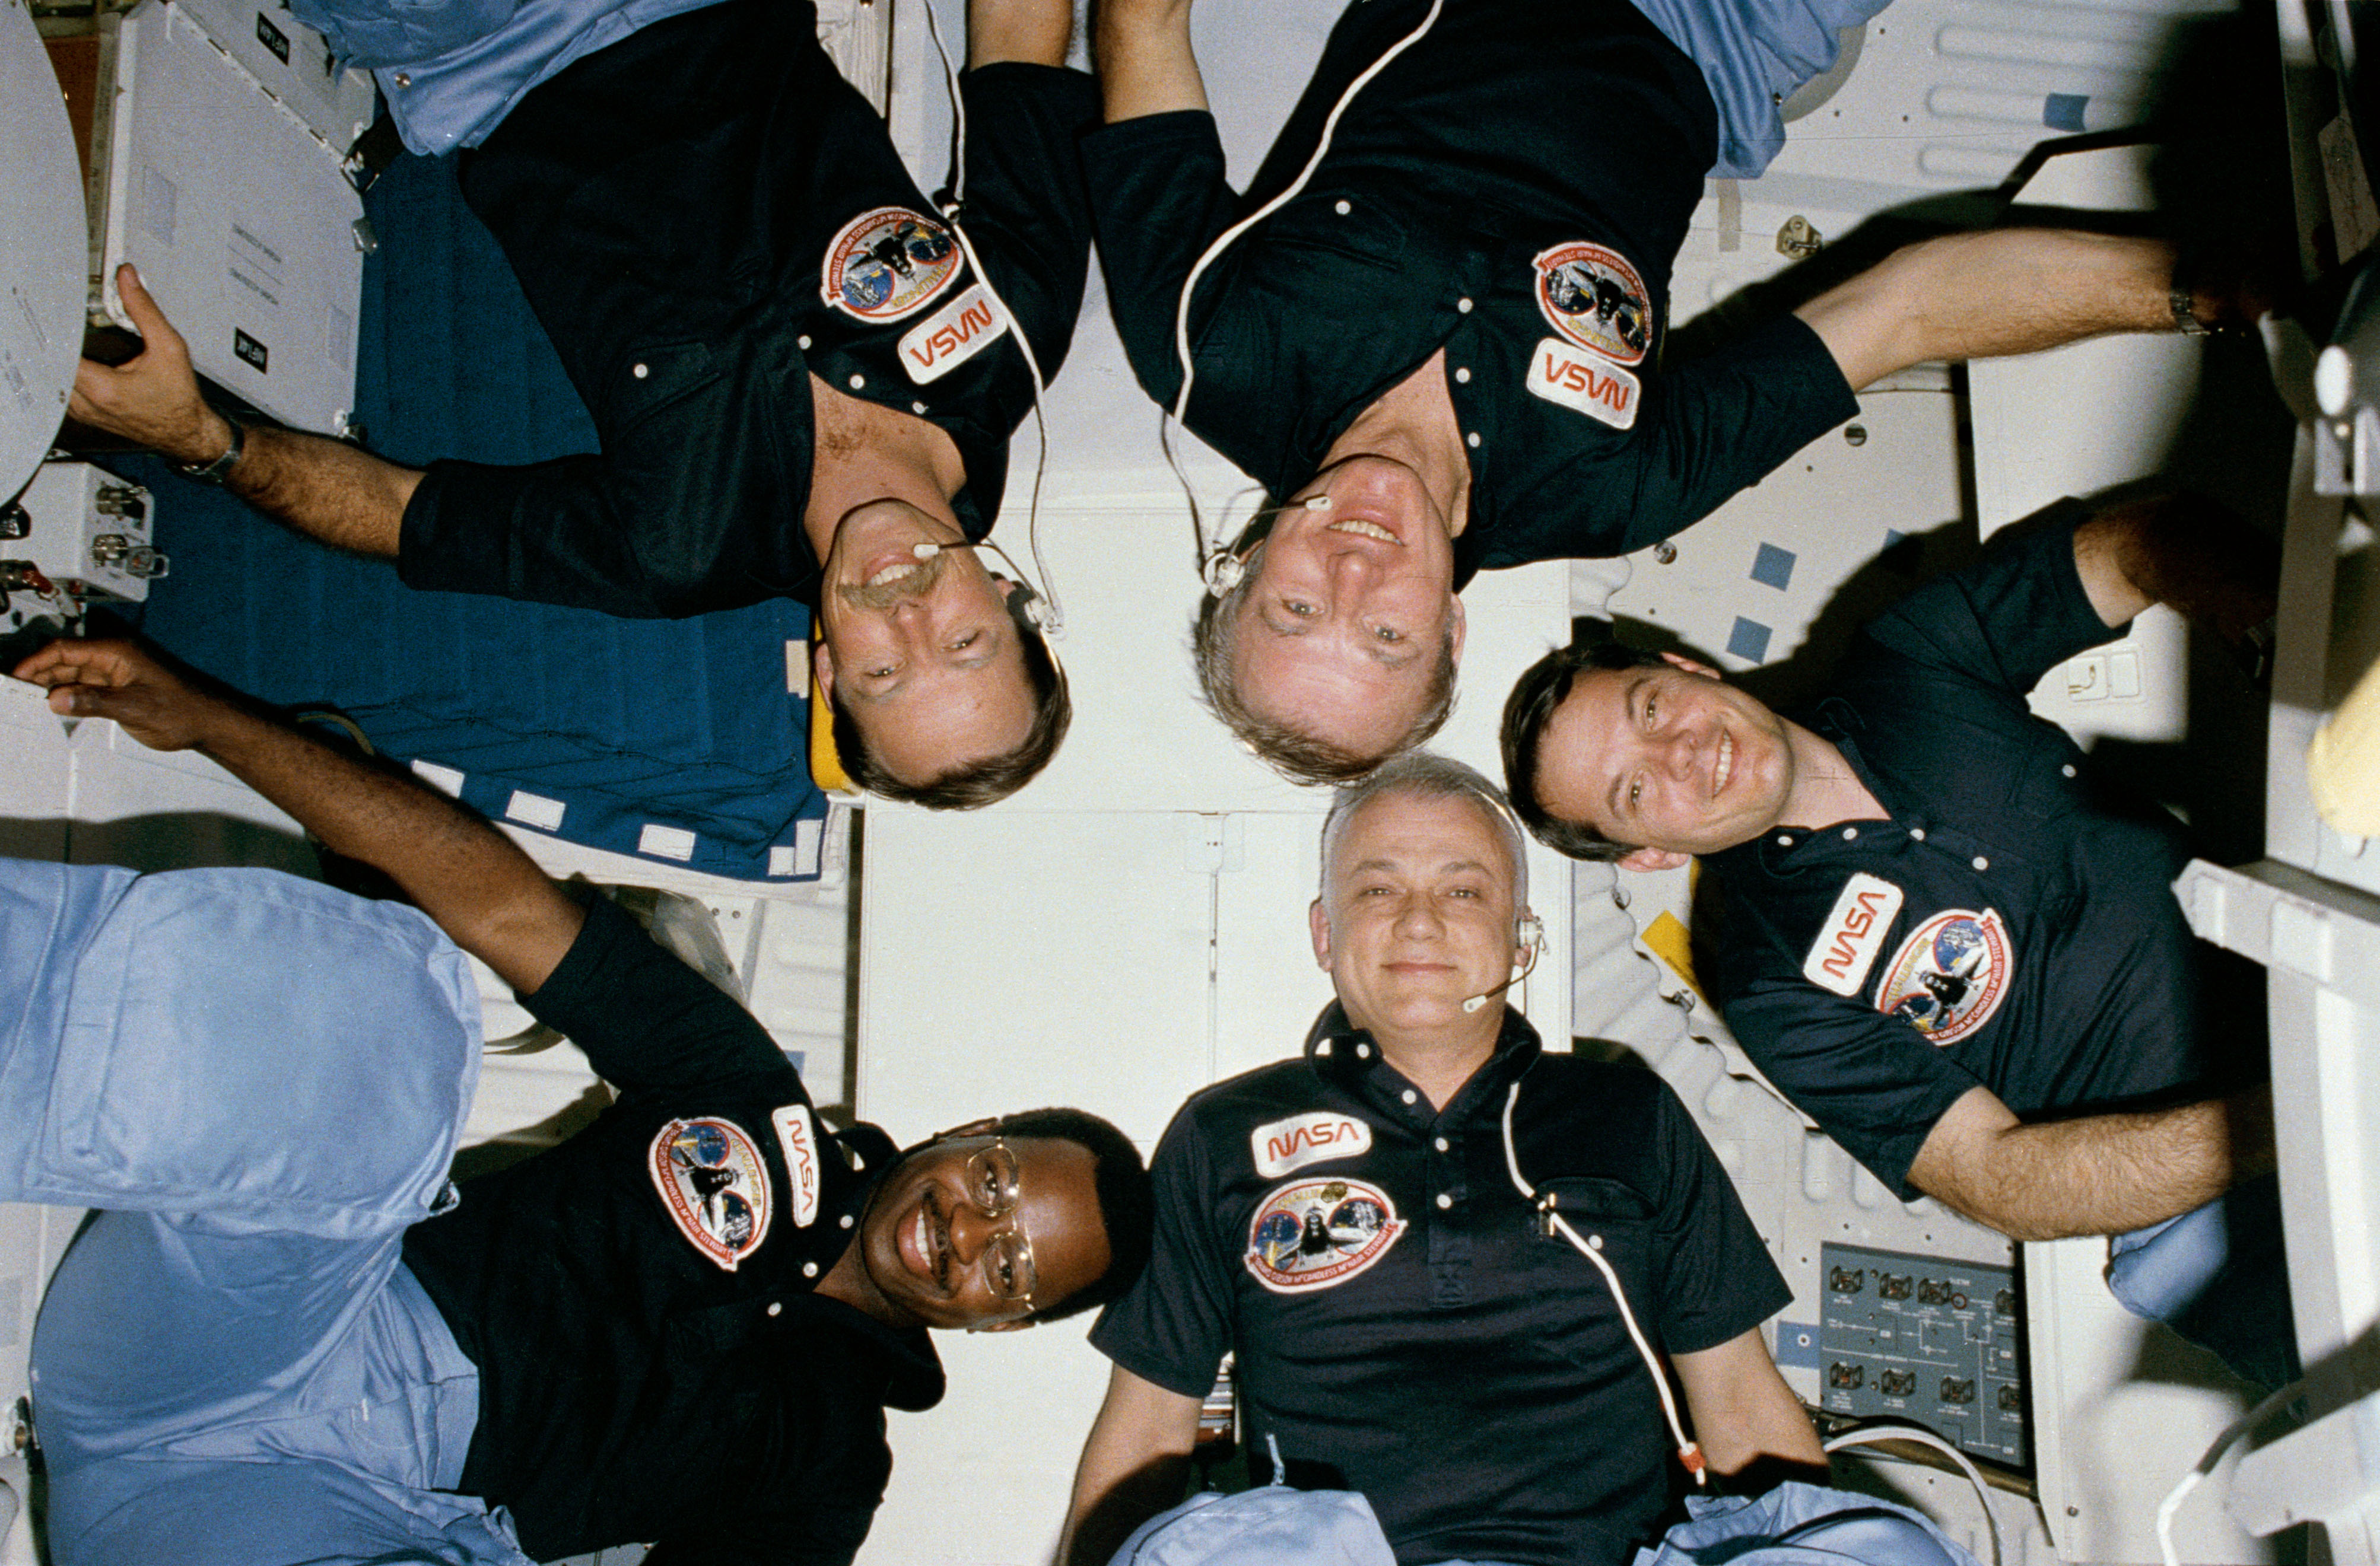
x,y
1342,1054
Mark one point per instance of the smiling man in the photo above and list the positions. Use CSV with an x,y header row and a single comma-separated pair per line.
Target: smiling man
x,y
289,1339
1365,1229
781,342
1955,950
1452,333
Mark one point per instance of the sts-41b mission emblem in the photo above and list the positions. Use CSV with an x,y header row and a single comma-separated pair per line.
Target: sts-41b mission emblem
x,y
713,1182
887,264
1949,976
1318,1233
1594,297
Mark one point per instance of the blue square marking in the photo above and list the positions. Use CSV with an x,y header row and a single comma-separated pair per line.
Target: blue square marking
x,y
1749,639
2063,111
1773,567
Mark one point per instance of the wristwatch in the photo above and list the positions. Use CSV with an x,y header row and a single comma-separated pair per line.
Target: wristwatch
x,y
218,472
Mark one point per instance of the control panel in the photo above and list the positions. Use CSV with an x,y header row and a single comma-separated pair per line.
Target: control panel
x,y
1924,1339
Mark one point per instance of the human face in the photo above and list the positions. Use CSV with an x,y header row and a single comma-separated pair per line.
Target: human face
x,y
1416,914
1672,757
922,651
924,1237
1339,635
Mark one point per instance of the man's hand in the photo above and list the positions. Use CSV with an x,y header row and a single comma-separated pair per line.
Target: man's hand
x,y
158,706
152,397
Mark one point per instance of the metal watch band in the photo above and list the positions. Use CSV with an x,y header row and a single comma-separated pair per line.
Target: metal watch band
x,y
2185,319
218,471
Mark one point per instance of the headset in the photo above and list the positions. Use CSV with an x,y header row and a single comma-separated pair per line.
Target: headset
x,y
1036,609
1223,566
1042,609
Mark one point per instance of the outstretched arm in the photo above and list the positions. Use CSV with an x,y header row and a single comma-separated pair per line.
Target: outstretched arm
x,y
1146,65
2001,291
1744,1414
1132,1466
329,489
2101,1174
481,889
2184,551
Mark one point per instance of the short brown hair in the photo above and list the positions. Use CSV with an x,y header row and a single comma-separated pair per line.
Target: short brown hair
x,y
971,785
1536,696
1300,757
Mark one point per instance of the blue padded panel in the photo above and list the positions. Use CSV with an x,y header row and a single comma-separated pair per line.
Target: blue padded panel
x,y
686,724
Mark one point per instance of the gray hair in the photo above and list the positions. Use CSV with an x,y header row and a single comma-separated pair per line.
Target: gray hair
x,y
1428,775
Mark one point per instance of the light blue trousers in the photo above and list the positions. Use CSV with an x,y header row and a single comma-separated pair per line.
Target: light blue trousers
x,y
261,1081
1752,55
1794,1524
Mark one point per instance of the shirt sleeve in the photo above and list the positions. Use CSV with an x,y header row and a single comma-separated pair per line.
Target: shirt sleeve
x,y
1704,430
1870,1080
1027,211
648,1022
1172,1327
1718,1280
1158,199
2008,619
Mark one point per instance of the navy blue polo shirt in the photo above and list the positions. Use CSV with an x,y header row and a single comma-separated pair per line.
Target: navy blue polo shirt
x,y
1513,189
2012,925
640,1302
1403,1325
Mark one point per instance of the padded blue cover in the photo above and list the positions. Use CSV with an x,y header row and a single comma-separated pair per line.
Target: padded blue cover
x,y
685,724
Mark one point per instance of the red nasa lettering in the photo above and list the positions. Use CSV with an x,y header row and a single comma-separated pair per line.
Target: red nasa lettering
x,y
1328,1134
1576,376
948,340
1855,924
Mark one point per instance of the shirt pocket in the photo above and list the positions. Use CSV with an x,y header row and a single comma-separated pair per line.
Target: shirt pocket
x,y
1617,1224
647,381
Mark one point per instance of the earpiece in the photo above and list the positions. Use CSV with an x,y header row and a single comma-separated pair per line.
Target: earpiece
x,y
1528,934
1222,572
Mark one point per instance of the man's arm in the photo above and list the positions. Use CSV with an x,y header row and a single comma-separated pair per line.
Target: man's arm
x,y
2001,291
2101,1174
1034,31
2184,551
329,489
1145,64
1742,1412
482,890
1132,1466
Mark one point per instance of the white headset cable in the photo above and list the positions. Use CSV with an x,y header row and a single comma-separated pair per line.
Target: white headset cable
x,y
1873,1433
2231,1436
1179,412
1688,1453
1053,624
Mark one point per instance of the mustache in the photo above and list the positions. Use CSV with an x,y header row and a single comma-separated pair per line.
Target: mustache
x,y
888,595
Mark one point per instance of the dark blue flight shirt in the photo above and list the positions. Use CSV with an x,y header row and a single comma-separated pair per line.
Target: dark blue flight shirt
x,y
1404,1327
2012,925
1512,190
654,1360
702,215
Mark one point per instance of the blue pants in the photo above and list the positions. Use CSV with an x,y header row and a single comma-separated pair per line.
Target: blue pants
x,y
2218,1276
261,1080
1752,55
1794,1524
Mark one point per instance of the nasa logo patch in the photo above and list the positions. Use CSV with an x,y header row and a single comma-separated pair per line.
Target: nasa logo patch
x,y
952,336
1852,935
797,1139
1584,382
888,264
1318,1233
1949,976
1284,1147
1593,297
712,1179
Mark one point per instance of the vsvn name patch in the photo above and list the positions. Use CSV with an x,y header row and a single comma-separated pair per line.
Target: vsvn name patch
x,y
1585,382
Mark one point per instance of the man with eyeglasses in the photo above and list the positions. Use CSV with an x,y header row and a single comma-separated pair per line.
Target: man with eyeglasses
x,y
287,1338
1371,1231
803,375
